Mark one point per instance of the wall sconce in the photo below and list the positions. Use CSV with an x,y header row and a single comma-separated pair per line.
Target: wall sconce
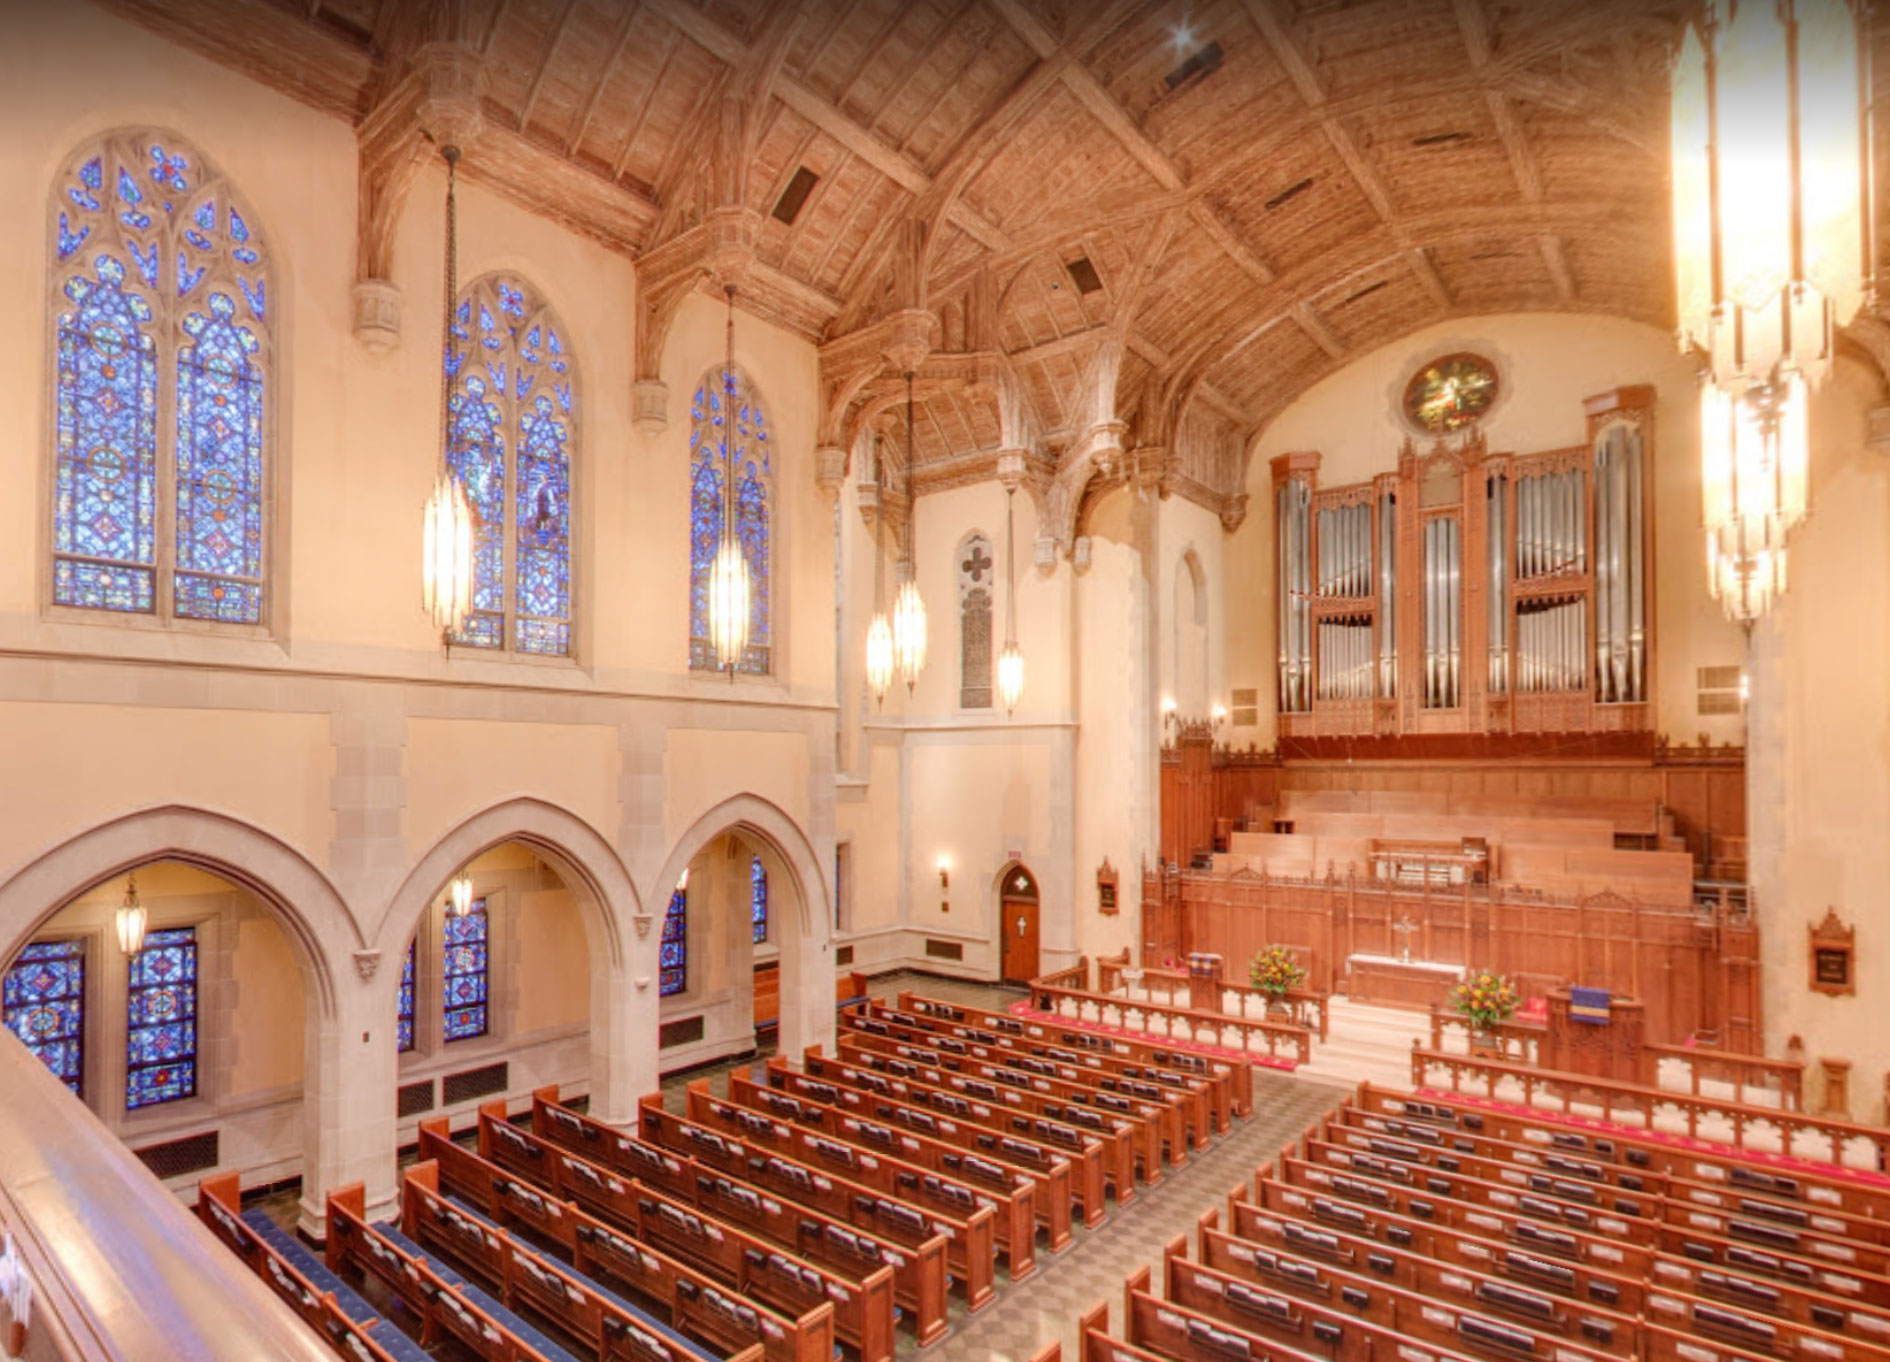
x,y
944,872
1169,715
1220,715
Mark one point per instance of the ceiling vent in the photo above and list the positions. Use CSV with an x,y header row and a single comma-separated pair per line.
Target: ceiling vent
x,y
1441,139
1292,191
794,197
1365,292
1205,62
1083,275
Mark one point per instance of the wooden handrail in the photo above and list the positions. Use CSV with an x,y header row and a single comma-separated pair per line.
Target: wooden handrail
x,y
120,1269
1047,992
1306,1006
1784,1077
1632,1104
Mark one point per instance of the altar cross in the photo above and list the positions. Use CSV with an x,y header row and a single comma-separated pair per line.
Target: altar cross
x,y
1404,926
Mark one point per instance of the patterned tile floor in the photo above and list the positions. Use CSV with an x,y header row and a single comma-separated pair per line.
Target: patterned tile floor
x,y
1046,1306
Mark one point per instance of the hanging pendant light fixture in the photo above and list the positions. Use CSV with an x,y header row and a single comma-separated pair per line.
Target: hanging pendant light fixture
x,y
908,617
130,918
459,894
1010,667
1771,255
446,562
731,594
879,635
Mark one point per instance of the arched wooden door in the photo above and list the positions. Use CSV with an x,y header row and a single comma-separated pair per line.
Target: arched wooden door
x,y
1017,918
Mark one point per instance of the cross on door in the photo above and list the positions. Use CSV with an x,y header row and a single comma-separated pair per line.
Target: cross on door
x,y
976,565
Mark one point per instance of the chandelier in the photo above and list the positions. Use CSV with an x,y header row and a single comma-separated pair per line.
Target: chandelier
x,y
908,617
1770,258
130,918
446,560
459,893
731,597
1010,667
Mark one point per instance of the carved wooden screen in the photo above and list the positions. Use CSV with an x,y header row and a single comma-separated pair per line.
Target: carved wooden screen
x,y
975,582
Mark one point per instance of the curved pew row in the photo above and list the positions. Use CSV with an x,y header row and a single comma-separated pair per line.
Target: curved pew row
x,y
918,1273
1228,1087
1015,1110
937,1187
931,1207
797,1290
1081,1166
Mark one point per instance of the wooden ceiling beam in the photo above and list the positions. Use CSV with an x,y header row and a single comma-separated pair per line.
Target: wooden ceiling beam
x,y
550,50
618,42
671,41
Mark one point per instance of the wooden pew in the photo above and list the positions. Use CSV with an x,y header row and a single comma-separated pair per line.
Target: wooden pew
x,y
1013,1198
1803,1305
1176,1108
1417,1142
1273,1258
1232,1083
696,1303
1082,1167
928,1208
1163,1329
849,990
1070,1128
918,1273
862,1307
1228,1086
1364,1321
1402,1251
1440,1172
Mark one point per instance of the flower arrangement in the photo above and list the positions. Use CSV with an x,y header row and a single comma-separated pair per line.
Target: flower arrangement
x,y
1274,971
1486,998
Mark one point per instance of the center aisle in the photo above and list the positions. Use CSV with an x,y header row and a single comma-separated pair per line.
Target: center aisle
x,y
1046,1307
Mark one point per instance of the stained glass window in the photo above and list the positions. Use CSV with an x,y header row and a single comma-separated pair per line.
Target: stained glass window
x,y
403,1021
463,962
673,962
727,407
44,1001
758,899
513,424
161,1019
164,330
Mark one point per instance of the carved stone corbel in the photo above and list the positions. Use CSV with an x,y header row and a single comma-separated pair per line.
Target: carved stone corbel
x,y
649,406
365,965
830,468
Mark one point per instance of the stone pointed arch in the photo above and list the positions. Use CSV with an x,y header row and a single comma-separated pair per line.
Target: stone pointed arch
x,y
301,899
768,824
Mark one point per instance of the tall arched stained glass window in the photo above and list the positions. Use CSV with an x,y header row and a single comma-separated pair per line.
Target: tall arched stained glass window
x,y
758,899
44,1003
513,421
673,962
728,408
163,333
161,1019
463,973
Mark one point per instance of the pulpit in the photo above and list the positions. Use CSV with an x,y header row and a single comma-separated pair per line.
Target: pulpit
x,y
1601,1049
1204,981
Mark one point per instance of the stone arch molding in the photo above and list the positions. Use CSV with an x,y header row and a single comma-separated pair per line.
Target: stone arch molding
x,y
582,857
752,814
299,896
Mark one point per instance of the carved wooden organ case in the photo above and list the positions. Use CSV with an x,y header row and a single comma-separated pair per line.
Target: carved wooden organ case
x,y
1471,592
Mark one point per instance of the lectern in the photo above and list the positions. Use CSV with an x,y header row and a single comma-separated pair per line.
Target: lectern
x,y
1204,981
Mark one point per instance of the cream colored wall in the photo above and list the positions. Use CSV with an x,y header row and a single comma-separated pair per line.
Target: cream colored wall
x,y
269,1015
1548,364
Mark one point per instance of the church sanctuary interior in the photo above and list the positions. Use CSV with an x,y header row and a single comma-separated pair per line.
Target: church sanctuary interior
x,y
1020,680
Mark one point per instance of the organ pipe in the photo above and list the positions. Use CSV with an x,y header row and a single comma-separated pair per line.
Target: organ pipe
x,y
1295,584
1387,595
1497,499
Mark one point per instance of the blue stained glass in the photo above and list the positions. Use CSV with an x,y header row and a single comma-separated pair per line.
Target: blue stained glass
x,y
463,963
403,1021
126,326
44,1003
673,956
721,395
219,469
161,1019
104,519
512,436
758,899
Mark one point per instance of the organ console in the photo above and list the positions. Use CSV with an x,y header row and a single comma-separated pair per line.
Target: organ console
x,y
1472,592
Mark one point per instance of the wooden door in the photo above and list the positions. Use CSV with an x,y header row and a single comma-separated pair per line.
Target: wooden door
x,y
1020,940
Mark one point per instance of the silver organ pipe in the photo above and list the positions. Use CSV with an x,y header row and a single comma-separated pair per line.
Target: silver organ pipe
x,y
1497,592
1443,612
1551,646
1620,570
1387,595
1345,550
1295,588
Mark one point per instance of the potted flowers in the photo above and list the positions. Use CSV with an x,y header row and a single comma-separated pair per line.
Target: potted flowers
x,y
1274,972
1486,1000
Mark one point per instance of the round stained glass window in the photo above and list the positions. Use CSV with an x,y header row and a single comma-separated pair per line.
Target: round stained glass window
x,y
1449,393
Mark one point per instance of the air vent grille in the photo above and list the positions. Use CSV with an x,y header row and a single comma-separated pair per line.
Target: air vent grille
x,y
943,950
1083,275
1442,139
174,1158
1292,191
843,955
469,1084
413,1098
684,1032
1719,691
794,197
1244,712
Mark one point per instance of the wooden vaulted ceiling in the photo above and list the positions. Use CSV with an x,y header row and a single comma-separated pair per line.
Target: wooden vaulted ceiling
x,y
1263,188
